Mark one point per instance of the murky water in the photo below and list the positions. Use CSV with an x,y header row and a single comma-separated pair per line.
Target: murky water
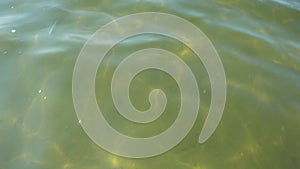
x,y
258,43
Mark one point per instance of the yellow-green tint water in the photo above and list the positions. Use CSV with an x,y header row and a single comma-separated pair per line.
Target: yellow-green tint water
x,y
258,43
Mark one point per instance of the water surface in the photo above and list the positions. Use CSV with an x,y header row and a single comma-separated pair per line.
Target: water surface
x,y
258,43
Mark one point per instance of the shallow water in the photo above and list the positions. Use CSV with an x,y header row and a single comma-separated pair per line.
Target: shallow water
x,y
257,41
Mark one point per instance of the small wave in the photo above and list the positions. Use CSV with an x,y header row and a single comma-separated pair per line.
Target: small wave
x,y
291,4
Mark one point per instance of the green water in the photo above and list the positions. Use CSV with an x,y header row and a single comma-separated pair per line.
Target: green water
x,y
258,43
